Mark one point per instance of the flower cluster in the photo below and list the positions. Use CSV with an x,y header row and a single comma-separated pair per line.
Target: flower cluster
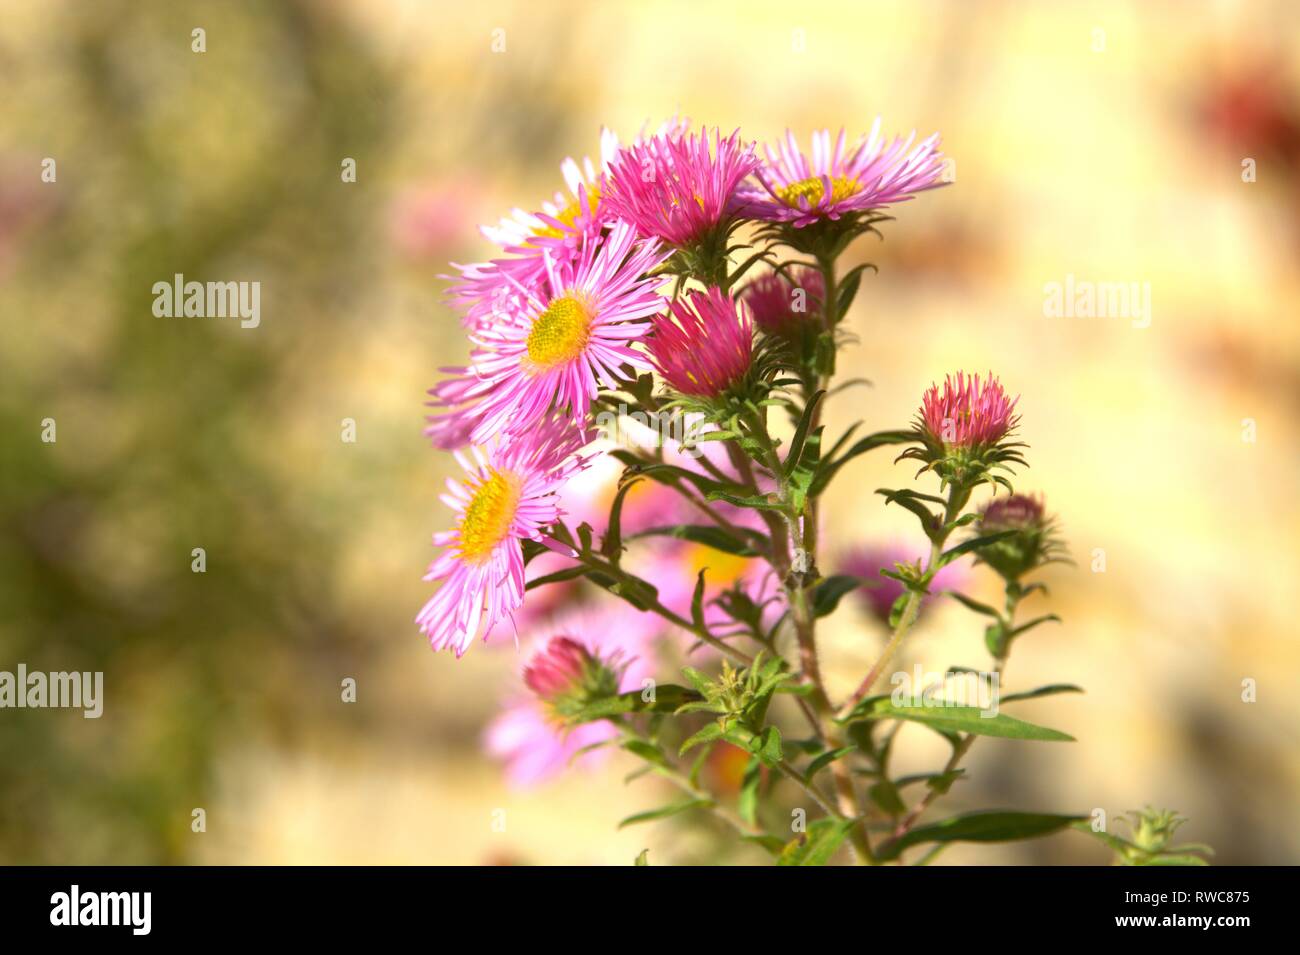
x,y
630,295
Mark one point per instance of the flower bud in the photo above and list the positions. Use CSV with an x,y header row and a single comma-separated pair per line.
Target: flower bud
x,y
963,429
568,677
1031,543
702,346
784,304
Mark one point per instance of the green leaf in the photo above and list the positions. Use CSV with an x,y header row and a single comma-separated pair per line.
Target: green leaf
x,y
872,441
670,474
700,681
697,602
1049,690
709,734
768,745
801,432
818,845
771,843
974,604
568,573
929,520
849,289
827,594
715,537
1053,618
612,544
747,801
801,479
663,812
668,698
962,719
885,795
642,857
1182,860
965,547
647,751
768,502
825,759
989,826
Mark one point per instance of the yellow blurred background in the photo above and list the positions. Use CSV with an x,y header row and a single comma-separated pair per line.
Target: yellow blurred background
x,y
1107,142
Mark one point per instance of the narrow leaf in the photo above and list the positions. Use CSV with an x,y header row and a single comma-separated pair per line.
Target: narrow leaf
x,y
663,812
992,826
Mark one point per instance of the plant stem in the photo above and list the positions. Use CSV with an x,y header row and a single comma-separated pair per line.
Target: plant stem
x,y
956,501
963,747
683,782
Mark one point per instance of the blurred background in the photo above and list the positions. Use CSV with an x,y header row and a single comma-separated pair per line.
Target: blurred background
x,y
1104,141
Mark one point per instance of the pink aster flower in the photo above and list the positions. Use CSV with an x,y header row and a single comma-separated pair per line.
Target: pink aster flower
x,y
527,736
677,189
534,749
570,216
781,302
574,334
838,180
457,394
510,496
489,293
702,345
879,592
969,412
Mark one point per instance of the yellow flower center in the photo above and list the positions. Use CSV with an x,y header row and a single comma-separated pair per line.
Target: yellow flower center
x,y
814,189
570,213
560,333
722,570
488,517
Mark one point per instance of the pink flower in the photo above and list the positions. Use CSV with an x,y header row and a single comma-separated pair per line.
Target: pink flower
x,y
509,496
456,393
839,180
572,335
969,412
674,188
782,302
528,737
525,737
489,293
561,667
702,346
569,218
879,592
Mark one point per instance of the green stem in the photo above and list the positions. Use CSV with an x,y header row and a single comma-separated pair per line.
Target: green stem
x,y
683,782
957,498
963,747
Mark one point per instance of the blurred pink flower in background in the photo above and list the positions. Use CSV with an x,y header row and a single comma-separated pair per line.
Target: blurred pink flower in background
x,y
426,221
878,592
526,736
